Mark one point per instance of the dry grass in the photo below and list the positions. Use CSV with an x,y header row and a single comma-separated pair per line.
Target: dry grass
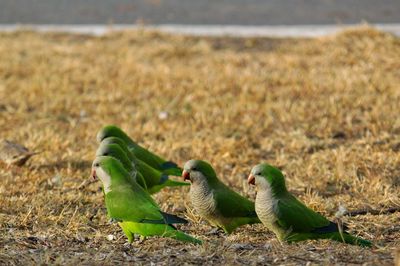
x,y
326,111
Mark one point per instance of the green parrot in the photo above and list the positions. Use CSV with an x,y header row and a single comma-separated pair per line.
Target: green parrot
x,y
154,179
141,153
286,216
130,205
116,152
214,201
118,141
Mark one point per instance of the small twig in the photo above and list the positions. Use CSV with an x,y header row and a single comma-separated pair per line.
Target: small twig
x,y
62,212
73,216
27,216
373,211
85,183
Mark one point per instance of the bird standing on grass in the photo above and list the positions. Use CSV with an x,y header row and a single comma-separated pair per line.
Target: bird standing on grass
x,y
162,165
132,206
153,179
114,150
214,201
286,216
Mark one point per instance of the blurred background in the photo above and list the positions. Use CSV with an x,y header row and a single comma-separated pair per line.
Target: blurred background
x,y
191,12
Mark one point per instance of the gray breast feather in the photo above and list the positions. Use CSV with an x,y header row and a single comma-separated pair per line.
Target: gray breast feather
x,y
202,200
266,208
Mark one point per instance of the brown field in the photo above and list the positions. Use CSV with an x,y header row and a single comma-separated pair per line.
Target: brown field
x,y
326,111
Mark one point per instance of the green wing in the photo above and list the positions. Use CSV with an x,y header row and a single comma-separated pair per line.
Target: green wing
x,y
151,175
293,214
126,205
155,180
140,180
135,205
231,204
145,155
153,159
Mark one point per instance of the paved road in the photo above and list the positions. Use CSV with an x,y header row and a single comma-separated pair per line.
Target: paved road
x,y
205,30
226,12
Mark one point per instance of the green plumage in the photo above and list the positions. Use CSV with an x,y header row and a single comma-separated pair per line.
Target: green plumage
x,y
132,206
216,202
154,180
153,160
162,230
286,216
116,152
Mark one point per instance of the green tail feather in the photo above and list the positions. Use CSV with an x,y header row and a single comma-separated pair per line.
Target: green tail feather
x,y
173,171
353,240
168,183
345,237
178,235
237,222
163,230
173,183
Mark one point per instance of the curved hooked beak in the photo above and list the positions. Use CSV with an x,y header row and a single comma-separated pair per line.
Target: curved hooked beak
x,y
93,174
185,175
251,179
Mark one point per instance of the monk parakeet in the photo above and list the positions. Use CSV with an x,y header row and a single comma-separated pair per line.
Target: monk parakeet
x,y
118,141
141,153
132,206
116,152
286,216
154,179
214,201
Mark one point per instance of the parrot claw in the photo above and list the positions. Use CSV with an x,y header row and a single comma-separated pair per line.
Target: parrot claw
x,y
215,231
275,244
112,220
127,245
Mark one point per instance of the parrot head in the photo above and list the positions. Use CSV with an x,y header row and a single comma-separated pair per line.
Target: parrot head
x,y
105,168
197,171
265,176
109,150
115,151
99,169
120,143
111,131
114,140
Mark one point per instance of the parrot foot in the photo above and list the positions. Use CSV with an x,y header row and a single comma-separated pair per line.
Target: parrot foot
x,y
274,244
112,220
215,231
127,245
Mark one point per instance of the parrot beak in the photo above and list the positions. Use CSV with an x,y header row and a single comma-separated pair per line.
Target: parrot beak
x,y
185,175
251,179
93,174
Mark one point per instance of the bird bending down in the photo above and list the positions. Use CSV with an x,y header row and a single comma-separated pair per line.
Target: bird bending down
x,y
148,177
130,205
155,161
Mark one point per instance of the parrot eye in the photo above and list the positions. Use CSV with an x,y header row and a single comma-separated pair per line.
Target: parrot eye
x,y
96,165
194,169
106,154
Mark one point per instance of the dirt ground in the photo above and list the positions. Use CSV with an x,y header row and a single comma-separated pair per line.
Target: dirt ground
x,y
325,111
